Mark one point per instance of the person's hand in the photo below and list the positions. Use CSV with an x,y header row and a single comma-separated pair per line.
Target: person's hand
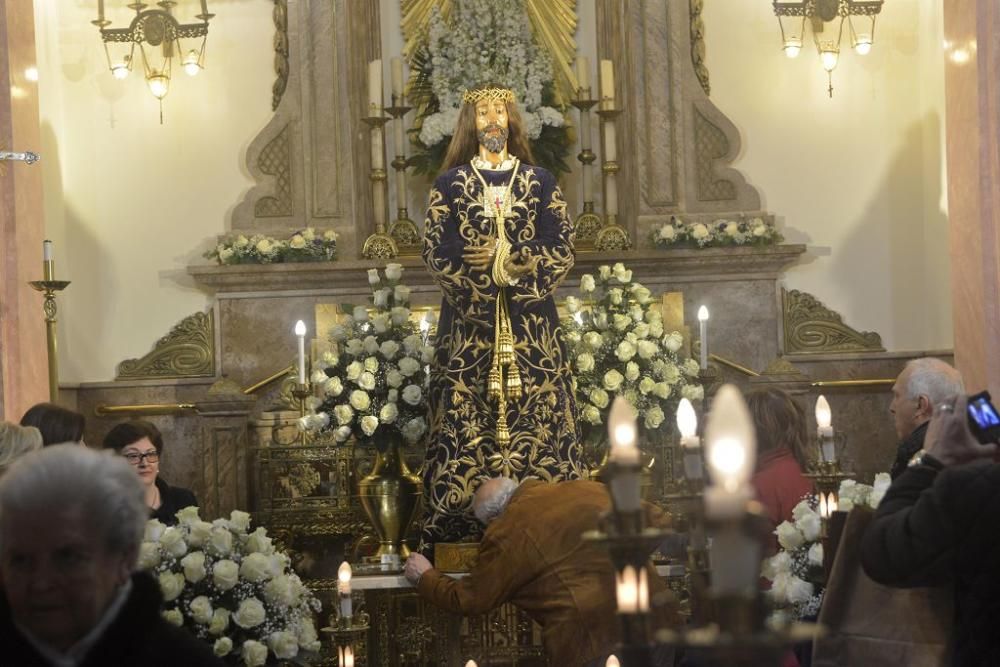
x,y
949,439
479,257
518,267
415,567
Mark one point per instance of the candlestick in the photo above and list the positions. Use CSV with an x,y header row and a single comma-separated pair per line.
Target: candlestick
x,y
703,335
49,286
687,424
583,77
300,331
823,418
375,87
607,85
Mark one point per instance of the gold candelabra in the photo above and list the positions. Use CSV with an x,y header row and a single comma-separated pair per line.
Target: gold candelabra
x,y
302,391
378,245
50,287
587,223
402,230
611,235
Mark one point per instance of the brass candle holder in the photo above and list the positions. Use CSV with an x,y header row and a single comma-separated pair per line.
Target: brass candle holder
x,y
378,245
345,635
588,223
49,287
302,391
611,236
402,230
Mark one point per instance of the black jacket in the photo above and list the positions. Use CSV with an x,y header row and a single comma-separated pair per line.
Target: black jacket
x,y
137,636
907,449
172,500
941,528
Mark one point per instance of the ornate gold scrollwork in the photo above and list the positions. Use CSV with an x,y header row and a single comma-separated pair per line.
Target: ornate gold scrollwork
x,y
280,52
698,45
187,351
811,327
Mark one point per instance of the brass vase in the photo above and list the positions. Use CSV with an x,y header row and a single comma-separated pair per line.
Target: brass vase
x,y
390,495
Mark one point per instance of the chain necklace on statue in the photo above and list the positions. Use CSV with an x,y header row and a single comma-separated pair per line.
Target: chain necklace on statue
x,y
504,380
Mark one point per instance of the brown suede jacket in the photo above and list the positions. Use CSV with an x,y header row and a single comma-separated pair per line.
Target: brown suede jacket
x,y
532,555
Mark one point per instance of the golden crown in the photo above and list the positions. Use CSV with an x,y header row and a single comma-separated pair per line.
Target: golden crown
x,y
479,94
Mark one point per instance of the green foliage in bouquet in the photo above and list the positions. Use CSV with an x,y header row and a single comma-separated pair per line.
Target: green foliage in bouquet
x,y
231,588
678,233
618,347
306,245
374,383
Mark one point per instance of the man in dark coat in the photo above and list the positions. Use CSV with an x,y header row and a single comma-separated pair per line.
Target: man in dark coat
x,y
936,526
71,522
533,555
924,383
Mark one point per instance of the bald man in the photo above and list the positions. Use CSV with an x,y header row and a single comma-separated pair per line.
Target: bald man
x,y
533,555
923,384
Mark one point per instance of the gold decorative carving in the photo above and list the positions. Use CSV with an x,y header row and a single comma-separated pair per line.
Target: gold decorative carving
x,y
455,556
710,144
187,351
698,45
781,366
275,160
587,225
380,246
280,52
811,327
612,236
405,234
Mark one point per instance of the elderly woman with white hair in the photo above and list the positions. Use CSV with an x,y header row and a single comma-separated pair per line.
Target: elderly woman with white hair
x,y
16,441
71,522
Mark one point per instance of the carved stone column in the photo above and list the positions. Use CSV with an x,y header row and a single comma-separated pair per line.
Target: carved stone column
x,y
972,88
23,365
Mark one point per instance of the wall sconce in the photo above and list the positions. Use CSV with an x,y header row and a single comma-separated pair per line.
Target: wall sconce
x,y
792,19
154,31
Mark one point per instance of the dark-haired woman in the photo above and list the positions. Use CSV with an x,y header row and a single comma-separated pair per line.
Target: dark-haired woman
x,y
141,444
782,434
57,424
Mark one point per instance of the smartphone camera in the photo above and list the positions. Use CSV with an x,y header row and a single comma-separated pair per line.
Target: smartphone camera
x,y
984,420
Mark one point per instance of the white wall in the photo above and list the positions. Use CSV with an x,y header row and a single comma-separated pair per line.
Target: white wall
x,y
859,177
129,202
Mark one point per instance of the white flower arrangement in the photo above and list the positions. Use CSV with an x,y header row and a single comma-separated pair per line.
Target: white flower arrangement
x,y
231,588
305,245
486,42
796,571
375,382
618,347
754,231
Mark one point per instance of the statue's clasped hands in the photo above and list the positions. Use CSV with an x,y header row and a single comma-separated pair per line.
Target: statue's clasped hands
x,y
480,258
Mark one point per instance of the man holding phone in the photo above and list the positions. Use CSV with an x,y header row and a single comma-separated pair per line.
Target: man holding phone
x,y
924,383
937,526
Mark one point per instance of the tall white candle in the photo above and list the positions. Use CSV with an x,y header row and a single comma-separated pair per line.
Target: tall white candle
x,y
48,264
687,424
397,80
583,76
703,334
375,87
607,85
47,250
827,447
344,589
300,331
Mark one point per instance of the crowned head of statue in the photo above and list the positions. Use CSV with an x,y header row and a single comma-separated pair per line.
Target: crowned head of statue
x,y
489,126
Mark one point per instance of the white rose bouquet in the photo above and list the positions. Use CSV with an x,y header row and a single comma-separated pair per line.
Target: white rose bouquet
x,y
796,571
305,245
754,231
618,347
375,382
231,588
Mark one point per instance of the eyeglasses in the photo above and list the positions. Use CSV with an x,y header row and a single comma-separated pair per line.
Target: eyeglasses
x,y
135,458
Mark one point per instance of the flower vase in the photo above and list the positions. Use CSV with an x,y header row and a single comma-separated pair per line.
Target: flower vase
x,y
390,495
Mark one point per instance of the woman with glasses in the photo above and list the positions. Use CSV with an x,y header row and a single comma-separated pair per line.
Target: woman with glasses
x,y
141,444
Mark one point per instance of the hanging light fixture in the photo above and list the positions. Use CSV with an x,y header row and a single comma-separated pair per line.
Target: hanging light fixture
x,y
157,34
826,19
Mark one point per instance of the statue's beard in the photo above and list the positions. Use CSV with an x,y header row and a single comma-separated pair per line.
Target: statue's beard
x,y
494,143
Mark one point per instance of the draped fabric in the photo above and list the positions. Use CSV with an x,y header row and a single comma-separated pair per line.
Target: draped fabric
x,y
462,447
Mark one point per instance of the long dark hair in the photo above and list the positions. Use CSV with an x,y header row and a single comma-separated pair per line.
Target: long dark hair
x,y
779,421
57,424
465,141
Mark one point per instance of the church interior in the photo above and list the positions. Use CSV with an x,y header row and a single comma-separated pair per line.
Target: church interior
x,y
235,228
